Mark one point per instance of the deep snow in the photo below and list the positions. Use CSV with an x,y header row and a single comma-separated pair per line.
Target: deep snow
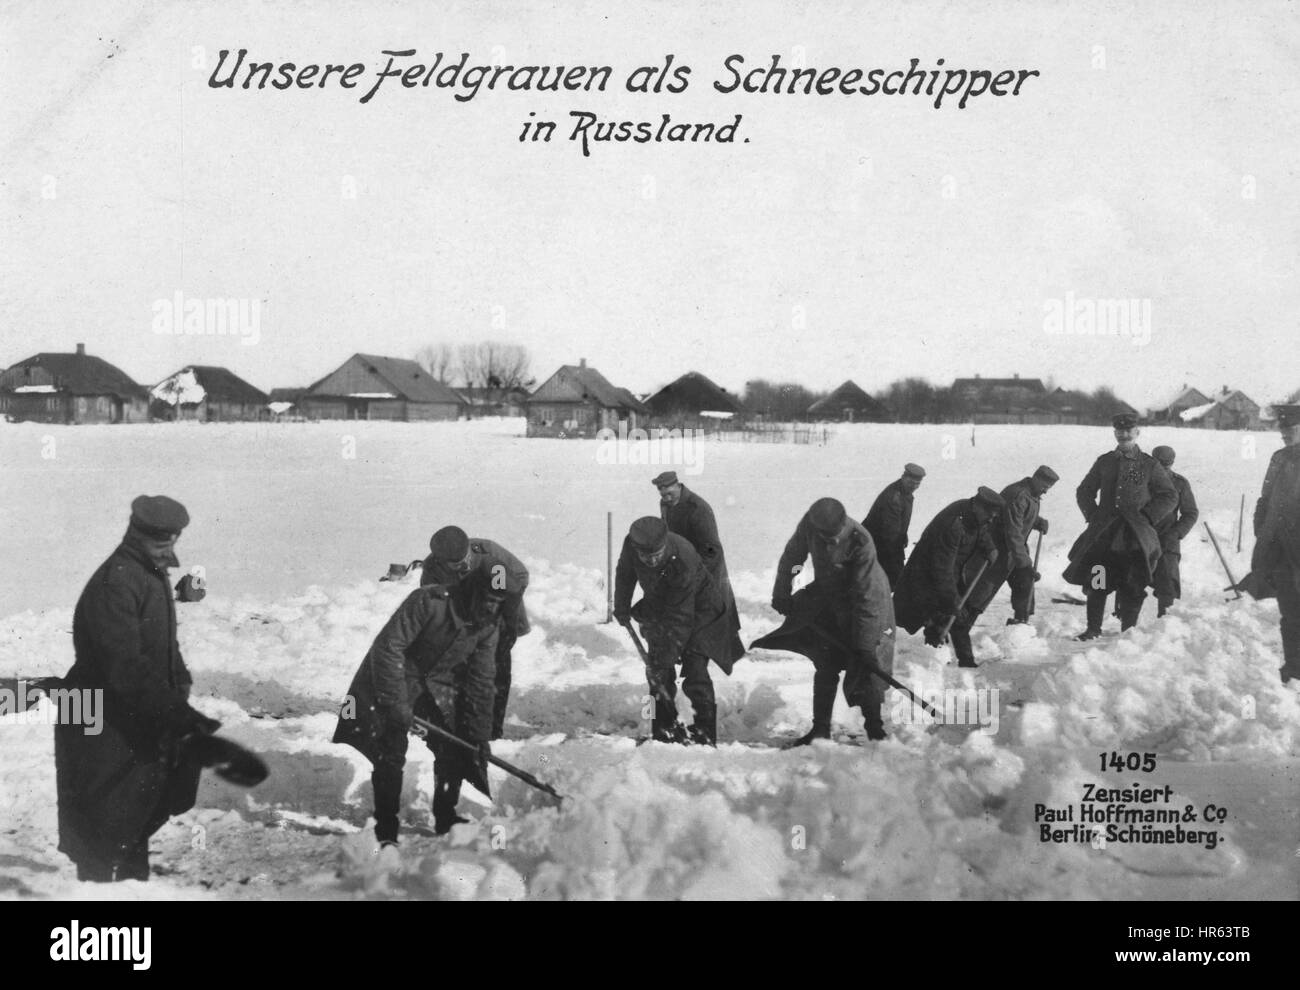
x,y
293,524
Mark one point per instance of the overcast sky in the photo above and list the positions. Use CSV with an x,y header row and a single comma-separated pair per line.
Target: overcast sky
x,y
1155,158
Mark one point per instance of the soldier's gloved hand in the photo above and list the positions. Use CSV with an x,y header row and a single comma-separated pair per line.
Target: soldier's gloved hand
x,y
781,604
1037,576
934,634
992,555
1040,524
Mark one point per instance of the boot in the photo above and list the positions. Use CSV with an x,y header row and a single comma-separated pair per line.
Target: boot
x,y
875,726
1019,619
446,793
1161,609
818,731
1128,615
387,784
704,730
1096,611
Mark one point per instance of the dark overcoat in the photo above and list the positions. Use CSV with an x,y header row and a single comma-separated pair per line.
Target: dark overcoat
x,y
680,605
118,787
933,582
888,522
693,518
1123,498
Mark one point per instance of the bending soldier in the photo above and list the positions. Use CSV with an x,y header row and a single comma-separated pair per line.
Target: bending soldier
x,y
842,621
434,658
684,621
946,559
456,559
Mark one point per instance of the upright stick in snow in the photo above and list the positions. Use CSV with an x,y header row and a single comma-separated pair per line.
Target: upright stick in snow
x,y
1241,520
1232,581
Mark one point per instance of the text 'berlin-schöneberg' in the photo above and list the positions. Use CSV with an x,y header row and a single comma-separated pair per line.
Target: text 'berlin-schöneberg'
x,y
466,78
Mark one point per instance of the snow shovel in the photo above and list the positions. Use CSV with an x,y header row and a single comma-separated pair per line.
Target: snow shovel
x,y
423,728
1038,549
947,626
844,648
679,733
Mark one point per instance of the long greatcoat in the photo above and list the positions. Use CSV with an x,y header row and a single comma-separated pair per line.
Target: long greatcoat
x,y
1277,516
693,518
680,602
934,579
427,646
848,600
1123,498
118,787
888,522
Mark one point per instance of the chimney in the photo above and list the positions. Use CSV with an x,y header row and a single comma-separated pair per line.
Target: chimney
x,y
582,362
81,350
1015,375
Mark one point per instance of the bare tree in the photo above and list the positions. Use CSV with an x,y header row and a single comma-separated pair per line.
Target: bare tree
x,y
439,361
495,367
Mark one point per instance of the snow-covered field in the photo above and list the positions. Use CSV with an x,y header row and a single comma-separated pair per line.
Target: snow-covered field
x,y
294,523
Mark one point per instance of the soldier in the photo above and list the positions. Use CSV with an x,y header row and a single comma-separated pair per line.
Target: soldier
x,y
1123,497
842,621
688,515
945,561
456,559
889,518
1172,530
119,786
1276,557
435,658
684,620
1020,519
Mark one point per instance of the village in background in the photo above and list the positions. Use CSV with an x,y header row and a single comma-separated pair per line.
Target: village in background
x,y
493,379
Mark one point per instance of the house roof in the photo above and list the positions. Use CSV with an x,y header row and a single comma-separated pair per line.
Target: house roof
x,y
222,384
290,395
1032,384
578,383
694,392
84,374
850,395
405,378
1189,396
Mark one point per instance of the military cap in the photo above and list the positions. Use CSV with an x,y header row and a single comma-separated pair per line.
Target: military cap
x,y
827,515
1124,421
989,497
1165,455
665,479
1287,416
158,515
449,544
915,470
1047,474
648,533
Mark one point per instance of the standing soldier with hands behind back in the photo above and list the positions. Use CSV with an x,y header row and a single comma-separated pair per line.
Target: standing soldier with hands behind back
x,y
1123,497
1172,530
889,518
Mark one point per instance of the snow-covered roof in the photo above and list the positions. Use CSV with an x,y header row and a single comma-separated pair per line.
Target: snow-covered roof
x,y
279,408
371,395
28,389
1196,412
182,388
